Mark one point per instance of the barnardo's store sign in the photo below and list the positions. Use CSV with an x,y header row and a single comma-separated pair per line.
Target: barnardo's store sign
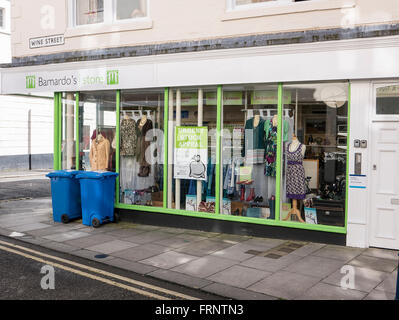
x,y
111,77
103,78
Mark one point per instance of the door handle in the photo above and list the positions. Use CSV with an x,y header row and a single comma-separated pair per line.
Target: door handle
x,y
395,201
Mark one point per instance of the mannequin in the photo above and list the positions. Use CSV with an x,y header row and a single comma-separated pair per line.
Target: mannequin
x,y
256,120
295,176
275,120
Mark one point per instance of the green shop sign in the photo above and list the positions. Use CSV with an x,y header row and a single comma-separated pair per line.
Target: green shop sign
x,y
30,82
269,97
230,98
189,99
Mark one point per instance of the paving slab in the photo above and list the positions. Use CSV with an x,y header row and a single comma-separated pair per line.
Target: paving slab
x,y
124,233
379,264
236,293
315,266
382,253
308,249
30,227
266,243
88,254
65,236
174,242
380,295
131,265
204,247
389,284
58,246
90,240
148,237
112,246
168,260
179,278
141,252
338,252
49,231
238,252
269,264
239,276
205,266
324,291
365,279
285,285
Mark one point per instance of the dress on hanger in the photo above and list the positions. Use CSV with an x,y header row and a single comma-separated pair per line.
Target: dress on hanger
x,y
295,173
129,137
271,149
254,137
142,146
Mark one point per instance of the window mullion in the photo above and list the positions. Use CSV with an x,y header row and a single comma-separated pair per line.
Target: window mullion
x,y
108,11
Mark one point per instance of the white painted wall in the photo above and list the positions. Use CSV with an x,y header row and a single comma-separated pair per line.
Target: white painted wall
x,y
358,204
16,111
14,125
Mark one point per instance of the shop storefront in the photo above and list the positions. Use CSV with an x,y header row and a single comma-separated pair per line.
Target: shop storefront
x,y
256,150
254,153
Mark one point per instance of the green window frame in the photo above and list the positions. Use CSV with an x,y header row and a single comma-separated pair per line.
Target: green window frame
x,y
217,215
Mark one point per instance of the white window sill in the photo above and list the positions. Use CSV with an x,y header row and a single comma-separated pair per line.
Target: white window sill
x,y
285,8
101,28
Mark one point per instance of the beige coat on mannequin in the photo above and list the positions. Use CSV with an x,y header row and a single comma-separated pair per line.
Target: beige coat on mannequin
x,y
99,153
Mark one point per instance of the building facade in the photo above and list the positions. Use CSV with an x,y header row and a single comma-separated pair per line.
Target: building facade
x,y
278,118
26,123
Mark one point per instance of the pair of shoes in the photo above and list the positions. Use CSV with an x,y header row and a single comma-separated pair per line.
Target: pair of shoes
x,y
258,199
242,198
236,212
251,195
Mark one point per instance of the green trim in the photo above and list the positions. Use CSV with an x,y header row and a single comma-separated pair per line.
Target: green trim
x,y
218,147
278,156
165,148
347,157
77,142
55,137
60,130
289,224
117,133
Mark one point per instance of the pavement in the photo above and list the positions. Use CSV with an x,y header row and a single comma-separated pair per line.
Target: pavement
x,y
232,266
24,184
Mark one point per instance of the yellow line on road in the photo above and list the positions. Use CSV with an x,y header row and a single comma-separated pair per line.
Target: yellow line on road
x,y
105,273
87,275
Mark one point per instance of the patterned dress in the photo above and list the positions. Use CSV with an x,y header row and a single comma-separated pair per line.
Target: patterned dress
x,y
295,174
271,150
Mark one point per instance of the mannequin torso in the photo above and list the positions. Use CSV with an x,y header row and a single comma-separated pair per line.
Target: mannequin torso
x,y
295,144
256,120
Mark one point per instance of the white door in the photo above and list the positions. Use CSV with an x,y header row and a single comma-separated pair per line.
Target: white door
x,y
384,224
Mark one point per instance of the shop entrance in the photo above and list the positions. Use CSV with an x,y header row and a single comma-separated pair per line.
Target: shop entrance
x,y
384,223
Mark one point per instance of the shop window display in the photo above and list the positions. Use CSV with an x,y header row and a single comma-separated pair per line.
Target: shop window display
x,y
68,140
249,150
192,149
314,153
97,128
141,147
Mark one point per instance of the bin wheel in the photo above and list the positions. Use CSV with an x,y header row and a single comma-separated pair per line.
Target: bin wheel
x,y
64,218
117,218
95,223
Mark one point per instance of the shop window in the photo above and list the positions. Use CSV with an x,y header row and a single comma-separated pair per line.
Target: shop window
x,y
97,128
1,17
315,129
89,11
388,100
192,149
252,2
141,147
249,151
129,9
68,140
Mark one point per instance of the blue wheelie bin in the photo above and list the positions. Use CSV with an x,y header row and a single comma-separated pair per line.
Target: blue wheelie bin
x,y
65,193
97,190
